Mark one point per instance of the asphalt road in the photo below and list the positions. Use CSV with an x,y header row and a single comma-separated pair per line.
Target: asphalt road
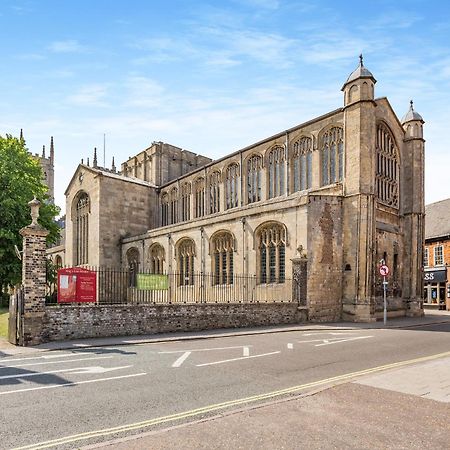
x,y
58,394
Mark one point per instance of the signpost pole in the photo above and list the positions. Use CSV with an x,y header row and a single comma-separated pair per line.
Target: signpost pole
x,y
384,300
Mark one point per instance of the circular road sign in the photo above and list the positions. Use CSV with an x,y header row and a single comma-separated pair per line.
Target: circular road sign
x,y
384,270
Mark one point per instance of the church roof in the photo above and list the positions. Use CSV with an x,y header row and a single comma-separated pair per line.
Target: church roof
x,y
360,72
437,219
411,115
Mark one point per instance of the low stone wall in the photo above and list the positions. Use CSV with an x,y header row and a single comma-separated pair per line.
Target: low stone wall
x,y
76,322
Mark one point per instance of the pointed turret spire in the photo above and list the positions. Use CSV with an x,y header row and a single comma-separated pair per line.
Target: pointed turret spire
x,y
82,161
52,149
113,166
94,163
411,114
88,161
21,135
43,151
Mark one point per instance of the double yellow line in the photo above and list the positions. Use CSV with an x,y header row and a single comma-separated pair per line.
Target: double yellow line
x,y
219,406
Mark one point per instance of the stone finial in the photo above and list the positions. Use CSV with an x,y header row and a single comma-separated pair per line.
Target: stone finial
x,y
21,134
34,205
43,151
82,161
94,162
113,166
361,59
52,149
88,161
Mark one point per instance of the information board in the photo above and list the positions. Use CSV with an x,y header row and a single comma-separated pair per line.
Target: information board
x,y
77,285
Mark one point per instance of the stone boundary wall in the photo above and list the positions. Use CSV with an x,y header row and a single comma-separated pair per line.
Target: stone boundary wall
x,y
78,322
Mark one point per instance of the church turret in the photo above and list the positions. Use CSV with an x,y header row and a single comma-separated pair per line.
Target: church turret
x,y
413,123
359,85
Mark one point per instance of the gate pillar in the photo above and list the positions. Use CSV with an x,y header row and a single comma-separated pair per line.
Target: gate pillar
x,y
300,279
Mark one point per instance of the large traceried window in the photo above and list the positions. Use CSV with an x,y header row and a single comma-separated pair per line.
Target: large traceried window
x,y
214,192
199,188
254,167
165,209
82,229
222,246
186,202
232,186
387,175
156,259
186,254
332,156
276,169
174,205
271,240
302,164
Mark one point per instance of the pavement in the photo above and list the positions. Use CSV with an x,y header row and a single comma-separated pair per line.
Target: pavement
x,y
431,317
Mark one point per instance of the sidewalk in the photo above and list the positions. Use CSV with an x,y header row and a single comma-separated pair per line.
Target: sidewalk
x,y
431,317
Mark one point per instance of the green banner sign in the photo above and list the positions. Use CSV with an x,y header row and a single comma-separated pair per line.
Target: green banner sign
x,y
150,282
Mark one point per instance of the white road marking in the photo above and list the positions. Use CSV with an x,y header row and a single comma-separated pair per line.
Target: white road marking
x,y
80,345
72,383
245,351
333,333
181,359
36,357
204,349
290,346
237,359
99,369
56,362
342,340
50,372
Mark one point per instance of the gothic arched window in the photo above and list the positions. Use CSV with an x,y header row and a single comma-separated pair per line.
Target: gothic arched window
x,y
156,259
232,186
332,156
302,164
271,239
214,192
174,205
276,168
82,229
186,254
199,188
222,246
133,265
165,209
254,167
387,175
186,202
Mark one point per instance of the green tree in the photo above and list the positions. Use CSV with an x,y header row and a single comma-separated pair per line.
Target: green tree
x,y
21,179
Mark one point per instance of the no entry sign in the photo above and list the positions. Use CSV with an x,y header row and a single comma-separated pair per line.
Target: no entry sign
x,y
384,270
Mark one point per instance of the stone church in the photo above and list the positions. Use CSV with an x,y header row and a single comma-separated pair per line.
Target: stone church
x,y
322,202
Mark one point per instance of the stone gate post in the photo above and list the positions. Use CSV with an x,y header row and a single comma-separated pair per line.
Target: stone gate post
x,y
300,279
33,278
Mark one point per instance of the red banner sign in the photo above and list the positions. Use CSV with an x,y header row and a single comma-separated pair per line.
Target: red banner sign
x,y
77,285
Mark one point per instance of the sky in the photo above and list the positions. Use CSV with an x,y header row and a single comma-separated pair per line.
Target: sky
x,y
212,76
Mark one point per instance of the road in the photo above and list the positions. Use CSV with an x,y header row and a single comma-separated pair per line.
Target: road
x,y
128,389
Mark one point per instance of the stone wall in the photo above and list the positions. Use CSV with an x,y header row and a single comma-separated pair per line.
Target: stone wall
x,y
76,322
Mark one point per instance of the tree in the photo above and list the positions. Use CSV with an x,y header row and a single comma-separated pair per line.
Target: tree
x,y
21,179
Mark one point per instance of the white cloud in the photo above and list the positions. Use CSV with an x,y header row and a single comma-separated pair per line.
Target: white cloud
x,y
90,95
67,46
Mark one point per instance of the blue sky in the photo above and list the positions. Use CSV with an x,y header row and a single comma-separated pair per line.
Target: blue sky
x,y
212,76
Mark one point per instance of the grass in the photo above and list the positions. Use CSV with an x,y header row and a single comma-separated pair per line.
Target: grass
x,y
3,322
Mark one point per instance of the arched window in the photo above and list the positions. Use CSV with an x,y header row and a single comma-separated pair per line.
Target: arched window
x,y
276,170
82,229
232,186
271,240
165,209
156,259
133,265
186,254
302,164
332,156
222,246
387,175
214,192
254,166
199,187
186,202
58,262
174,205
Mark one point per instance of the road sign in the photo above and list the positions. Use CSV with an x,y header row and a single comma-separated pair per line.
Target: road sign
x,y
384,270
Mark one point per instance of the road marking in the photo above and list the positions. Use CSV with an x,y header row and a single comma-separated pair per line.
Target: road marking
x,y
290,346
333,333
245,351
36,357
56,362
237,359
203,349
218,406
181,359
95,369
338,341
72,383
